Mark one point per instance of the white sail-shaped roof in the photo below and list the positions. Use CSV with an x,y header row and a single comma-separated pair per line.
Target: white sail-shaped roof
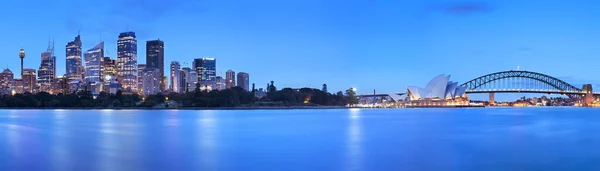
x,y
438,87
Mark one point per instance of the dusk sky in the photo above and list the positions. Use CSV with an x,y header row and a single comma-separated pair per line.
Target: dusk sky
x,y
369,44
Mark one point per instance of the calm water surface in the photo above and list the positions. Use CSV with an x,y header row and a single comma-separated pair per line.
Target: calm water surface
x,y
365,139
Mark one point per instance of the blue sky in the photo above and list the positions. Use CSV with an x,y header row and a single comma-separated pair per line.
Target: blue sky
x,y
368,44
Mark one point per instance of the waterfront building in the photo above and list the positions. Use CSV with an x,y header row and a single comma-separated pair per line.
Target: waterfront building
x,y
220,83
150,81
94,60
29,80
229,79
61,85
140,78
74,66
260,93
155,57
175,77
192,81
438,92
6,81
207,72
47,70
127,71
243,80
18,85
110,68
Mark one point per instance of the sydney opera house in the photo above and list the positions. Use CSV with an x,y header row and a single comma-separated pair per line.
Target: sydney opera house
x,y
438,92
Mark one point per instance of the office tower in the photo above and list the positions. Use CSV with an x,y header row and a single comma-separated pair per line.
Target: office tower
x,y
74,67
175,84
192,80
229,79
185,73
6,81
47,70
18,85
150,81
94,60
243,80
61,85
29,80
207,71
220,83
155,55
140,68
127,72
110,68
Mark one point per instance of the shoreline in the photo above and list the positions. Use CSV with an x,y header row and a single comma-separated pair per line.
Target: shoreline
x,y
182,108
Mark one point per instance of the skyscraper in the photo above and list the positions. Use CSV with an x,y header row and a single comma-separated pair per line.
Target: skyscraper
x,y
110,68
74,67
175,84
229,79
220,83
150,81
47,70
140,78
29,80
186,82
155,58
94,59
6,81
243,80
127,72
207,71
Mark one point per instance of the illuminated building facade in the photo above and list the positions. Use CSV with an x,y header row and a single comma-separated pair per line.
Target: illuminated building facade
x,y
29,80
74,66
220,83
243,80
110,67
6,81
61,85
127,72
175,77
438,92
150,81
47,70
140,78
206,68
155,58
94,60
229,79
18,85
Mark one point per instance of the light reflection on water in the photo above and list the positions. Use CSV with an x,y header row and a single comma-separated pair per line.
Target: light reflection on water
x,y
356,139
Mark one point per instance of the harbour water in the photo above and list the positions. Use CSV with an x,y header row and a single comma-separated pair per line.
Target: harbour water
x,y
326,139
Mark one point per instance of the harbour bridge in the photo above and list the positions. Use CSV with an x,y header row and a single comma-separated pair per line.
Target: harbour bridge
x,y
528,82
516,81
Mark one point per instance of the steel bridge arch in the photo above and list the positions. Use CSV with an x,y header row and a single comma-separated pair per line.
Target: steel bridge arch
x,y
546,79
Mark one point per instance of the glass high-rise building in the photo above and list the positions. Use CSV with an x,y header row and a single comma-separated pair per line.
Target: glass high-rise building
x,y
243,80
155,55
127,72
140,78
74,66
110,69
207,71
229,79
94,60
155,58
150,81
47,70
175,80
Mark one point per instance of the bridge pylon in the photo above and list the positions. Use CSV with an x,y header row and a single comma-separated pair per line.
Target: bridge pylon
x,y
492,100
588,96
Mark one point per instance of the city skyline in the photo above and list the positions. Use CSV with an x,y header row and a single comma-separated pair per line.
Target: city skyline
x,y
474,37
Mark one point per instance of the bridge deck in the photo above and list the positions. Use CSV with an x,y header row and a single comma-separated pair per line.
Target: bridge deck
x,y
527,91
